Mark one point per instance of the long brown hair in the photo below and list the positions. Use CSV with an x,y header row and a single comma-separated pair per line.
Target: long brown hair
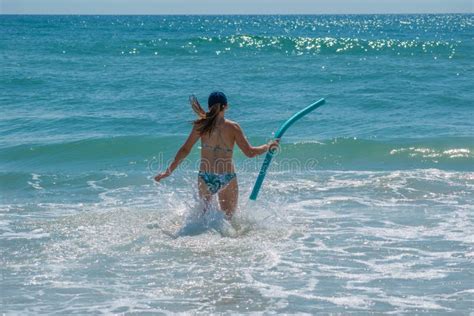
x,y
206,121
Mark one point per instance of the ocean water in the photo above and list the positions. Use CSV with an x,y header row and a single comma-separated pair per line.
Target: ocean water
x,y
368,206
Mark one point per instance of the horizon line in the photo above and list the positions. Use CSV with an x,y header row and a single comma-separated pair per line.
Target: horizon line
x,y
231,14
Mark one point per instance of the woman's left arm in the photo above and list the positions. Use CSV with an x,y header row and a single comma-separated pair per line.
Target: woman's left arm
x,y
182,153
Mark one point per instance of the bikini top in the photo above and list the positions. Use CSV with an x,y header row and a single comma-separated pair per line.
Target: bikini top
x,y
217,147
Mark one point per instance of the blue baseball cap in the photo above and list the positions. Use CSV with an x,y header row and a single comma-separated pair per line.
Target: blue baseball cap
x,y
217,97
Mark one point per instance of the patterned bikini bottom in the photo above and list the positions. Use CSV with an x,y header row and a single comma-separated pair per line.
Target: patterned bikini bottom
x,y
216,181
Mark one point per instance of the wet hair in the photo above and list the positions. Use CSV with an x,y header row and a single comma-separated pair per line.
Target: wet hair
x,y
206,121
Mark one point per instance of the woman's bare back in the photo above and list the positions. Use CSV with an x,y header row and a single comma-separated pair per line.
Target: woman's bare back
x,y
217,148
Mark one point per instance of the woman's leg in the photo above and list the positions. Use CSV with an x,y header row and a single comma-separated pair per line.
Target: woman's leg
x,y
204,194
228,198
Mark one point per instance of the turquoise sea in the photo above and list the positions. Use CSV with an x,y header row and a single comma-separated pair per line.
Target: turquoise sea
x,y
367,208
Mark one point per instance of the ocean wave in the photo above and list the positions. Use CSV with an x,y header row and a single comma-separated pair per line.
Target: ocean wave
x,y
132,152
326,45
238,44
346,153
253,44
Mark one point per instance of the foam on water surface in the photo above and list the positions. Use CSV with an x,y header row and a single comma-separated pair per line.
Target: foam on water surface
x,y
299,254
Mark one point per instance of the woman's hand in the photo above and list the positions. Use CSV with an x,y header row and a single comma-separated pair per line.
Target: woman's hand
x,y
273,145
162,176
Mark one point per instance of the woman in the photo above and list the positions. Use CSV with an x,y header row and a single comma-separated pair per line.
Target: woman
x,y
218,136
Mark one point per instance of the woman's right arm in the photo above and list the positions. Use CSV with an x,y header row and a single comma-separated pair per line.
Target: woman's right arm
x,y
249,150
182,153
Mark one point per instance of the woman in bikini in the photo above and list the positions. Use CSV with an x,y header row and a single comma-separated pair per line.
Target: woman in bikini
x,y
218,136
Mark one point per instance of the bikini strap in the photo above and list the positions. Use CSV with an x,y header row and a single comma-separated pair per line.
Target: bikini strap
x,y
217,147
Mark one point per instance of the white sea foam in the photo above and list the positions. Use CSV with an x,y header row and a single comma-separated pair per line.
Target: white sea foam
x,y
330,241
425,152
35,182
